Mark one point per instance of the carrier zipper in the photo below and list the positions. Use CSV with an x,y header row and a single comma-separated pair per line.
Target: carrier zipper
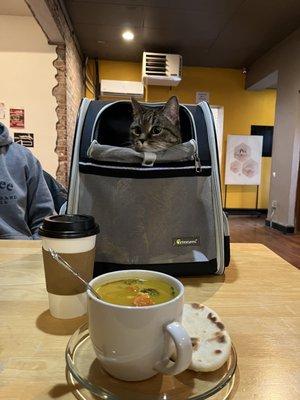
x,y
217,204
144,169
197,163
73,195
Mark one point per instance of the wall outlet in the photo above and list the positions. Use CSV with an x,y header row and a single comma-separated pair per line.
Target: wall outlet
x,y
274,203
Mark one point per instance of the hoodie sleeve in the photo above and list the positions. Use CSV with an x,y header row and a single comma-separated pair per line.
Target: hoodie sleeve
x,y
39,199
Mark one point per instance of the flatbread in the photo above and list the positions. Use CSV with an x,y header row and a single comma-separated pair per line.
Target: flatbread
x,y
211,343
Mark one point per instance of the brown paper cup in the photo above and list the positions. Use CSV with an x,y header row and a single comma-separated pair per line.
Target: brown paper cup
x,y
67,294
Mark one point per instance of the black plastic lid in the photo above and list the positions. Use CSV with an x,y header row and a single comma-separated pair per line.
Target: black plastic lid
x,y
69,226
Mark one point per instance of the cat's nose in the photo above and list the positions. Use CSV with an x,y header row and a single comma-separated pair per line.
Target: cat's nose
x,y
142,140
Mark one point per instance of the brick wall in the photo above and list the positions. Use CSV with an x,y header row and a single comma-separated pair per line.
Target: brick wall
x,y
59,92
69,90
74,92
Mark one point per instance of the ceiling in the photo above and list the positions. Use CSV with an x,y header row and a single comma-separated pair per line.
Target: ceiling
x,y
217,33
14,7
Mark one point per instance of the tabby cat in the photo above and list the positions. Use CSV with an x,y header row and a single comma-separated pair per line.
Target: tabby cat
x,y
156,128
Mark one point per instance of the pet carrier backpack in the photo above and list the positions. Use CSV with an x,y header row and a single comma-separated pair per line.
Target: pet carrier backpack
x,y
159,211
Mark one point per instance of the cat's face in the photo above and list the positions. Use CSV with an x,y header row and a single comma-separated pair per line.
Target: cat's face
x,y
155,129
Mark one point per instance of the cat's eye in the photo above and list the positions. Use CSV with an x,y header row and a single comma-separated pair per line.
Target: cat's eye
x,y
137,131
156,130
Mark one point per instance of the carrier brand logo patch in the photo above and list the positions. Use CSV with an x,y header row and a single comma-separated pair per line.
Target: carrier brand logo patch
x,y
186,241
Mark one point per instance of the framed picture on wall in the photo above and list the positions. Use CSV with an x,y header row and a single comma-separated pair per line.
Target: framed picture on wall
x,y
25,139
17,118
243,160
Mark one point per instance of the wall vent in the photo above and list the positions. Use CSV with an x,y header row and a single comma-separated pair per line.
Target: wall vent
x,y
161,69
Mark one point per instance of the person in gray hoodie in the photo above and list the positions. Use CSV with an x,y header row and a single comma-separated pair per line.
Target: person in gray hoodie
x,y
25,199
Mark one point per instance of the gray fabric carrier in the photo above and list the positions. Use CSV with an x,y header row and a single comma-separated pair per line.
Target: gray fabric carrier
x,y
158,211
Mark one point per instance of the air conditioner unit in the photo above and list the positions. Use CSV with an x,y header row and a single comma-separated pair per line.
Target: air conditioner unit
x,y
112,88
161,69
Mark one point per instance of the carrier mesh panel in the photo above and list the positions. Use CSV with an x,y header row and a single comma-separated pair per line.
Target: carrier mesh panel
x,y
150,221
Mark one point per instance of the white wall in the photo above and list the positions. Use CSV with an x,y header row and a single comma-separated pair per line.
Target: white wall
x,y
283,59
27,78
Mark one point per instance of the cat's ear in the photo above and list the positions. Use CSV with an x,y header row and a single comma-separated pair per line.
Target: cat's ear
x,y
136,107
171,110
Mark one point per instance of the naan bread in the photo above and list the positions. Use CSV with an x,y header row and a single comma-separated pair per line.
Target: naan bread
x,y
211,343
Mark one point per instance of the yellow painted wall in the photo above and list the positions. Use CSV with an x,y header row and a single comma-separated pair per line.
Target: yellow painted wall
x,y
242,109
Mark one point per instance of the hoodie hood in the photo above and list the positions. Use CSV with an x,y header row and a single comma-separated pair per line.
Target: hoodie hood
x,y
5,139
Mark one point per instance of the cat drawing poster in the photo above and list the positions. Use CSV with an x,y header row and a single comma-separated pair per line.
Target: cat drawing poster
x,y
243,160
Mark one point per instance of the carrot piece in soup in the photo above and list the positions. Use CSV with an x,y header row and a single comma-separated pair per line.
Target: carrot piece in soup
x,y
143,299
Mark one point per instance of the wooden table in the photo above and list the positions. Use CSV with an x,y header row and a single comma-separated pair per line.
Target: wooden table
x,y
258,300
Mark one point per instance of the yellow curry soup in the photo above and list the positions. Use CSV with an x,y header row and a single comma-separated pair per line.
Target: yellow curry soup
x,y
136,292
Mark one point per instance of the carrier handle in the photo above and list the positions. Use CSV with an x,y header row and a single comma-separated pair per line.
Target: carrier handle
x,y
196,156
